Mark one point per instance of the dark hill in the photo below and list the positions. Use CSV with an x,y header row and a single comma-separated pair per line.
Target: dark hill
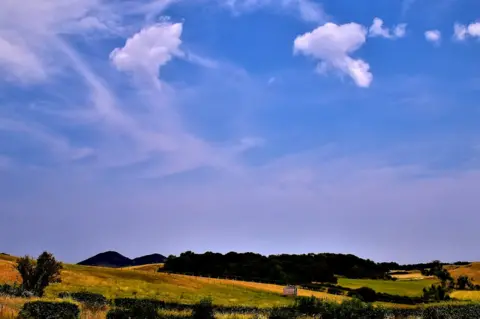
x,y
149,259
114,259
108,259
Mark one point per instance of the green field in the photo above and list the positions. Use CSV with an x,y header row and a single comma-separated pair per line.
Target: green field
x,y
399,287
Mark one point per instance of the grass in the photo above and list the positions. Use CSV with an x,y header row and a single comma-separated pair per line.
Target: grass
x,y
472,270
410,288
150,268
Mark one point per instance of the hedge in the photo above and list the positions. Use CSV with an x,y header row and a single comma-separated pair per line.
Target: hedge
x,y
15,291
49,310
89,299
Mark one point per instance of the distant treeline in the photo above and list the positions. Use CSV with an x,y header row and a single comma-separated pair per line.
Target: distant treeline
x,y
420,266
283,269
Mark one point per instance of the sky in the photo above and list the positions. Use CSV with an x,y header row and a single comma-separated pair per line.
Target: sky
x,y
272,126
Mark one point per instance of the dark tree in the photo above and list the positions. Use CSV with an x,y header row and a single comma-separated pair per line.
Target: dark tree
x,y
37,275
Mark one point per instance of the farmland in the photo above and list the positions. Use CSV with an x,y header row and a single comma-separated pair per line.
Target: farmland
x,y
146,282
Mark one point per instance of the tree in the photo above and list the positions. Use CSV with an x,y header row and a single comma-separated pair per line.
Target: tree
x,y
463,282
37,275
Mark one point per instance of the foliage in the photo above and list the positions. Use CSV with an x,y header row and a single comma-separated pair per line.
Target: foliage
x,y
36,276
307,305
364,293
435,293
464,282
15,290
91,300
281,269
203,310
49,310
282,313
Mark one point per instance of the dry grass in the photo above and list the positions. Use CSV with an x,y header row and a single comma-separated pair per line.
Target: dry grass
x,y
149,268
466,295
472,271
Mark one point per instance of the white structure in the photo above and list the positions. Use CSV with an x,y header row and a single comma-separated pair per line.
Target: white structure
x,y
290,291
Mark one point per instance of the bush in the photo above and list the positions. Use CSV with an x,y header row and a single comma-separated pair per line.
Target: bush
x,y
334,291
15,290
282,313
203,310
307,305
364,293
354,309
91,300
435,293
130,303
37,275
49,310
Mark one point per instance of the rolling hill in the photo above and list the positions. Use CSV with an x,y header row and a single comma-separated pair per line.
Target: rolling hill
x,y
114,259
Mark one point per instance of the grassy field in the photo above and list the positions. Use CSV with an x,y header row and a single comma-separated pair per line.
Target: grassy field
x,y
169,287
146,282
472,271
398,287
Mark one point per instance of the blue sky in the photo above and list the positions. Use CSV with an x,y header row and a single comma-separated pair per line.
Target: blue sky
x,y
285,126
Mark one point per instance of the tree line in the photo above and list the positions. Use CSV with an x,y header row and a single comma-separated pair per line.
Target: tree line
x,y
282,269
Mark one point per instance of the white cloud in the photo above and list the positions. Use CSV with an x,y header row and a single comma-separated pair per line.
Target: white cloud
x,y
434,36
461,31
333,44
474,29
378,30
18,62
149,49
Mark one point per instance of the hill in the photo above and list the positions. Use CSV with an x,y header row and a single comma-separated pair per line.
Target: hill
x,y
149,259
115,260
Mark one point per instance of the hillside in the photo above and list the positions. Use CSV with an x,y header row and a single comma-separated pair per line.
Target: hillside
x,y
115,260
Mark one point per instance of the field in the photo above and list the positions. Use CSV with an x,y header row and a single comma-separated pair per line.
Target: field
x,y
146,282
176,288
410,288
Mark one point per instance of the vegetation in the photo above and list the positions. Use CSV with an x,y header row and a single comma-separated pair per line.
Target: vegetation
x,y
281,269
49,310
37,275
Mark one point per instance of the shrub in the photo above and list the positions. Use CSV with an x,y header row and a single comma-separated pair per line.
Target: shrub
x,y
203,310
364,293
49,310
15,290
91,300
130,303
334,291
36,276
282,313
354,309
307,305
435,293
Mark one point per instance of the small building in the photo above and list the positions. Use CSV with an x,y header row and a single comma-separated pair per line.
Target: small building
x,y
290,290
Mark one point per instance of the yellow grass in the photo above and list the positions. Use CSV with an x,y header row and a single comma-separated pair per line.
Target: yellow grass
x,y
466,295
150,268
169,287
472,271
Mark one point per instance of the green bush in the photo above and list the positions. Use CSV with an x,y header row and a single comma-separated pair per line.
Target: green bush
x,y
203,310
334,291
15,290
49,310
364,293
91,300
307,305
282,313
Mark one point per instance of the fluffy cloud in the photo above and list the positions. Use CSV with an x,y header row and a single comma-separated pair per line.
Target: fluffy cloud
x,y
461,31
433,36
149,49
378,30
333,44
